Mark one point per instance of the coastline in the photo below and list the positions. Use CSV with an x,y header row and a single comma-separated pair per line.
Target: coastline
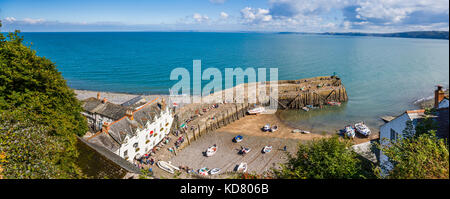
x,y
252,124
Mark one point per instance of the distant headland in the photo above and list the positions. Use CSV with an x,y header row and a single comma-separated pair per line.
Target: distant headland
x,y
412,34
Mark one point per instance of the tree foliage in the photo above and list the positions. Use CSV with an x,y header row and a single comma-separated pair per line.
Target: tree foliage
x,y
39,115
328,158
423,156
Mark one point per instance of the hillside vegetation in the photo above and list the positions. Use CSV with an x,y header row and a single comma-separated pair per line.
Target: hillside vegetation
x,y
39,115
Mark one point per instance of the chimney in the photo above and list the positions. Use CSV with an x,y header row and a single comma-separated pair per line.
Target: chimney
x,y
104,100
129,114
105,127
438,96
98,95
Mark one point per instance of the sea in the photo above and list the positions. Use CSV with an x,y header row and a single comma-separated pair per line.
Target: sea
x,y
382,76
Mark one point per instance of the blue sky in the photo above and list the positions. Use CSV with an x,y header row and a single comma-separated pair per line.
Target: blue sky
x,y
225,15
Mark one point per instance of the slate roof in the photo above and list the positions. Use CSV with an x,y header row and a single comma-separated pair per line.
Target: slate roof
x,y
108,109
114,136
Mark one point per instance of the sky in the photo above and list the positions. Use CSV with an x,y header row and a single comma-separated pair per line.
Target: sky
x,y
225,15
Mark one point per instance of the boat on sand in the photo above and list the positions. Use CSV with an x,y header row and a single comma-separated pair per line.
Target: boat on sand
x,y
349,131
245,150
167,166
256,111
242,167
274,128
214,171
267,149
238,138
211,150
203,171
362,129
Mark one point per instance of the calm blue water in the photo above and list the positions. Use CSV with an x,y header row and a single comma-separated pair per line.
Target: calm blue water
x,y
383,76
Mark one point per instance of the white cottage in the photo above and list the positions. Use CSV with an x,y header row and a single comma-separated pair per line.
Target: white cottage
x,y
137,132
393,130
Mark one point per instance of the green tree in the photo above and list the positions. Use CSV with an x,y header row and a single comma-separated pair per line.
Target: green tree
x,y
39,115
418,157
327,158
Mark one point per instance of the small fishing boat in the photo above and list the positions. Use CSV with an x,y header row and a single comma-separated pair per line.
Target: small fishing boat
x,y
334,103
211,150
349,131
267,149
274,128
256,111
309,106
165,166
305,108
305,132
245,150
242,167
296,131
214,171
362,129
203,171
266,127
238,138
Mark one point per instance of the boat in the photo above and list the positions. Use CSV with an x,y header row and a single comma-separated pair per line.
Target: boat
x,y
267,149
256,111
274,128
309,106
362,129
211,150
296,131
242,167
245,150
238,138
203,171
305,108
266,127
305,132
334,103
165,166
349,131
214,171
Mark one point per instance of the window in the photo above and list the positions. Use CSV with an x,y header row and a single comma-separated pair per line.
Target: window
x,y
135,145
394,135
125,153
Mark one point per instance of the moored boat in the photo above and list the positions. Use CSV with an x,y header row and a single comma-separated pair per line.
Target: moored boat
x,y
266,127
305,132
334,103
238,138
211,150
267,149
296,131
256,111
362,129
245,150
214,171
165,166
242,167
305,108
274,128
203,171
349,131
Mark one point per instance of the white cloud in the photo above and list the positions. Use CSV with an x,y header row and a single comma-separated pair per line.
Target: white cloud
x,y
33,21
255,16
200,18
10,19
224,15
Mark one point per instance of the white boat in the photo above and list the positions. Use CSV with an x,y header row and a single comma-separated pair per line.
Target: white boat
x,y
267,149
349,131
214,171
165,166
274,128
362,129
266,127
245,150
305,132
242,167
296,131
203,171
211,150
257,110
305,108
